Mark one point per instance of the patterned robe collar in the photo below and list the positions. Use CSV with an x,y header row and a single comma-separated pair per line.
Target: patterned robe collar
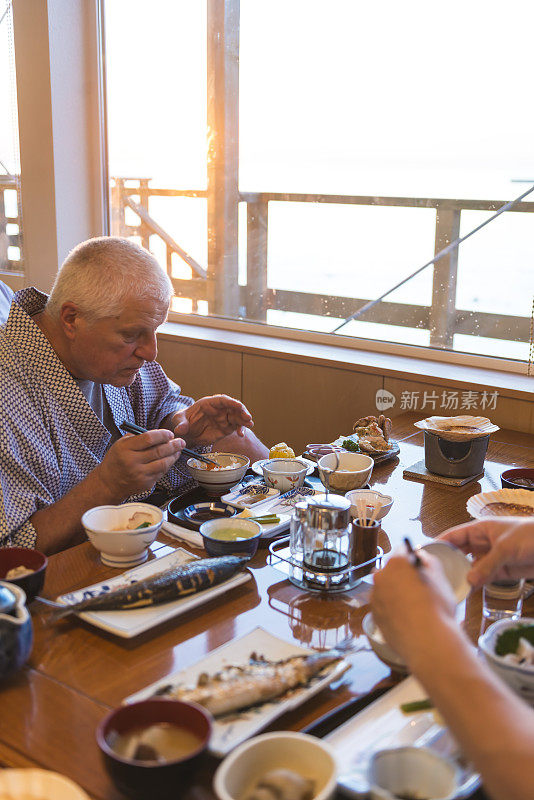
x,y
44,363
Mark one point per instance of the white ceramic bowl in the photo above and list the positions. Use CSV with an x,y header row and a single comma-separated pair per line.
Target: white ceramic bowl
x,y
519,678
105,527
382,649
310,757
371,498
39,784
217,482
284,473
411,772
353,472
455,565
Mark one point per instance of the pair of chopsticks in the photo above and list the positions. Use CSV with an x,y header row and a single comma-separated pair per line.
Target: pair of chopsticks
x,y
361,508
131,427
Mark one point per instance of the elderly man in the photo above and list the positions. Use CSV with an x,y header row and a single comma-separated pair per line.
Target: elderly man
x,y
73,367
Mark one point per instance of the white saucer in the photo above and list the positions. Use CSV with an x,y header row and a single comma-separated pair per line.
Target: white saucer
x,y
257,466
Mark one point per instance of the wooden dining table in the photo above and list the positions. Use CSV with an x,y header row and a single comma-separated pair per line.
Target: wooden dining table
x,y
76,673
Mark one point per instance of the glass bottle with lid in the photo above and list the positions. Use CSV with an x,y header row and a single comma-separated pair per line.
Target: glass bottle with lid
x,y
327,538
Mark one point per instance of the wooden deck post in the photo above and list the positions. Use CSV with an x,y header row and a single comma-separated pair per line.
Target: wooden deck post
x,y
223,156
257,235
443,309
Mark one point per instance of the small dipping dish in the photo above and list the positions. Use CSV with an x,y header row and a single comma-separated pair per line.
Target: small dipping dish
x,y
199,513
33,581
231,537
112,531
146,720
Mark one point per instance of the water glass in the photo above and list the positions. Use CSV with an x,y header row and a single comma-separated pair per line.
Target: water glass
x,y
503,599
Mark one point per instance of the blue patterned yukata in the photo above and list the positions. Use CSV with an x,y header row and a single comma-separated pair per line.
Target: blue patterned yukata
x,y
50,438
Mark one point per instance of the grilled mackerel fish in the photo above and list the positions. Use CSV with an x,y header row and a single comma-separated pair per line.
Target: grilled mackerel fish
x,y
162,587
236,688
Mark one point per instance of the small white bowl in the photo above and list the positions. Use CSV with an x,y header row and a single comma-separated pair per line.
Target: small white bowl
x,y
353,472
382,649
105,527
518,677
371,498
310,757
413,772
217,482
284,473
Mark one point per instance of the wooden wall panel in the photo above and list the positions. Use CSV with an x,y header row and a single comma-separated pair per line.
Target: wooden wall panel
x,y
201,370
300,403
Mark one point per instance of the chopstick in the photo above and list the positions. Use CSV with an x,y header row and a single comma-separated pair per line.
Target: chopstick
x,y
131,427
414,558
361,507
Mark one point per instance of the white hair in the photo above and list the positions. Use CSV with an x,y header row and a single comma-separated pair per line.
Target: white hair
x,y
101,274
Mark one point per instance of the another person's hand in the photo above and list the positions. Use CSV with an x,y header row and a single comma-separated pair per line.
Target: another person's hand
x,y
210,419
133,464
504,548
407,601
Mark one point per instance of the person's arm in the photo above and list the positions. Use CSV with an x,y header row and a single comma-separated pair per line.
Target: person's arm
x,y
132,465
504,548
495,729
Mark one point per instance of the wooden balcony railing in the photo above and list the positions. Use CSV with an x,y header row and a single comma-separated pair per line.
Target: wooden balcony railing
x,y
10,183
442,319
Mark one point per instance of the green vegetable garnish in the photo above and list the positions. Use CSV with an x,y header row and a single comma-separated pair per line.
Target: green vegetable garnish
x,y
143,525
416,705
350,445
508,640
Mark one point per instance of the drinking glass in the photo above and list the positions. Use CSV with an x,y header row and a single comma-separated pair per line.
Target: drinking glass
x,y
503,599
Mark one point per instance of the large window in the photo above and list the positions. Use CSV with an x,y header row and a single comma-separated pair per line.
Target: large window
x,y
10,207
291,162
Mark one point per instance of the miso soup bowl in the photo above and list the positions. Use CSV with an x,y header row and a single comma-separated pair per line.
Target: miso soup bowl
x,y
150,779
105,527
32,583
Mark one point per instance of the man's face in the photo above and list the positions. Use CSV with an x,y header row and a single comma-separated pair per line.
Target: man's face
x,y
112,350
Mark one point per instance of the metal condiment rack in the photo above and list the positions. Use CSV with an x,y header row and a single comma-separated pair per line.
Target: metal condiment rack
x,y
314,580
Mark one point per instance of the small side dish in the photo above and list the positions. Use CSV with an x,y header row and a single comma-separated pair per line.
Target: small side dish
x,y
516,645
507,646
281,450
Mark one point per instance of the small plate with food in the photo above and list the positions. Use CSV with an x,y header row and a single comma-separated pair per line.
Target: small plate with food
x,y
501,503
249,682
370,436
138,600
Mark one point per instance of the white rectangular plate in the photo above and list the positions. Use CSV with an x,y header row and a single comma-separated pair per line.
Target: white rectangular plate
x,y
243,497
382,725
131,622
228,734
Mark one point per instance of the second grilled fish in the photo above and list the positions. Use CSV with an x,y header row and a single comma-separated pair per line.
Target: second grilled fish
x,y
237,687
162,587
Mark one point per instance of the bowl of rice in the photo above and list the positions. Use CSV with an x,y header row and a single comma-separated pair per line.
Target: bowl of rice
x,y
228,471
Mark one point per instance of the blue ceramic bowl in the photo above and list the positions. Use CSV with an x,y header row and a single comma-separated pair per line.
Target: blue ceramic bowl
x,y
16,633
222,547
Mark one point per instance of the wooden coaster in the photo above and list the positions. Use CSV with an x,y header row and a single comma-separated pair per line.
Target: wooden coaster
x,y
418,472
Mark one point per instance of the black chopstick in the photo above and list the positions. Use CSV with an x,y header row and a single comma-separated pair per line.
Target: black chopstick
x,y
416,561
131,427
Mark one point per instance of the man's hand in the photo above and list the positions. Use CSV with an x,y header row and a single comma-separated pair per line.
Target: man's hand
x,y
406,601
210,419
133,464
504,548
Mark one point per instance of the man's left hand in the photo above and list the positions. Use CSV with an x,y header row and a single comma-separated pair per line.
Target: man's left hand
x,y
210,419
